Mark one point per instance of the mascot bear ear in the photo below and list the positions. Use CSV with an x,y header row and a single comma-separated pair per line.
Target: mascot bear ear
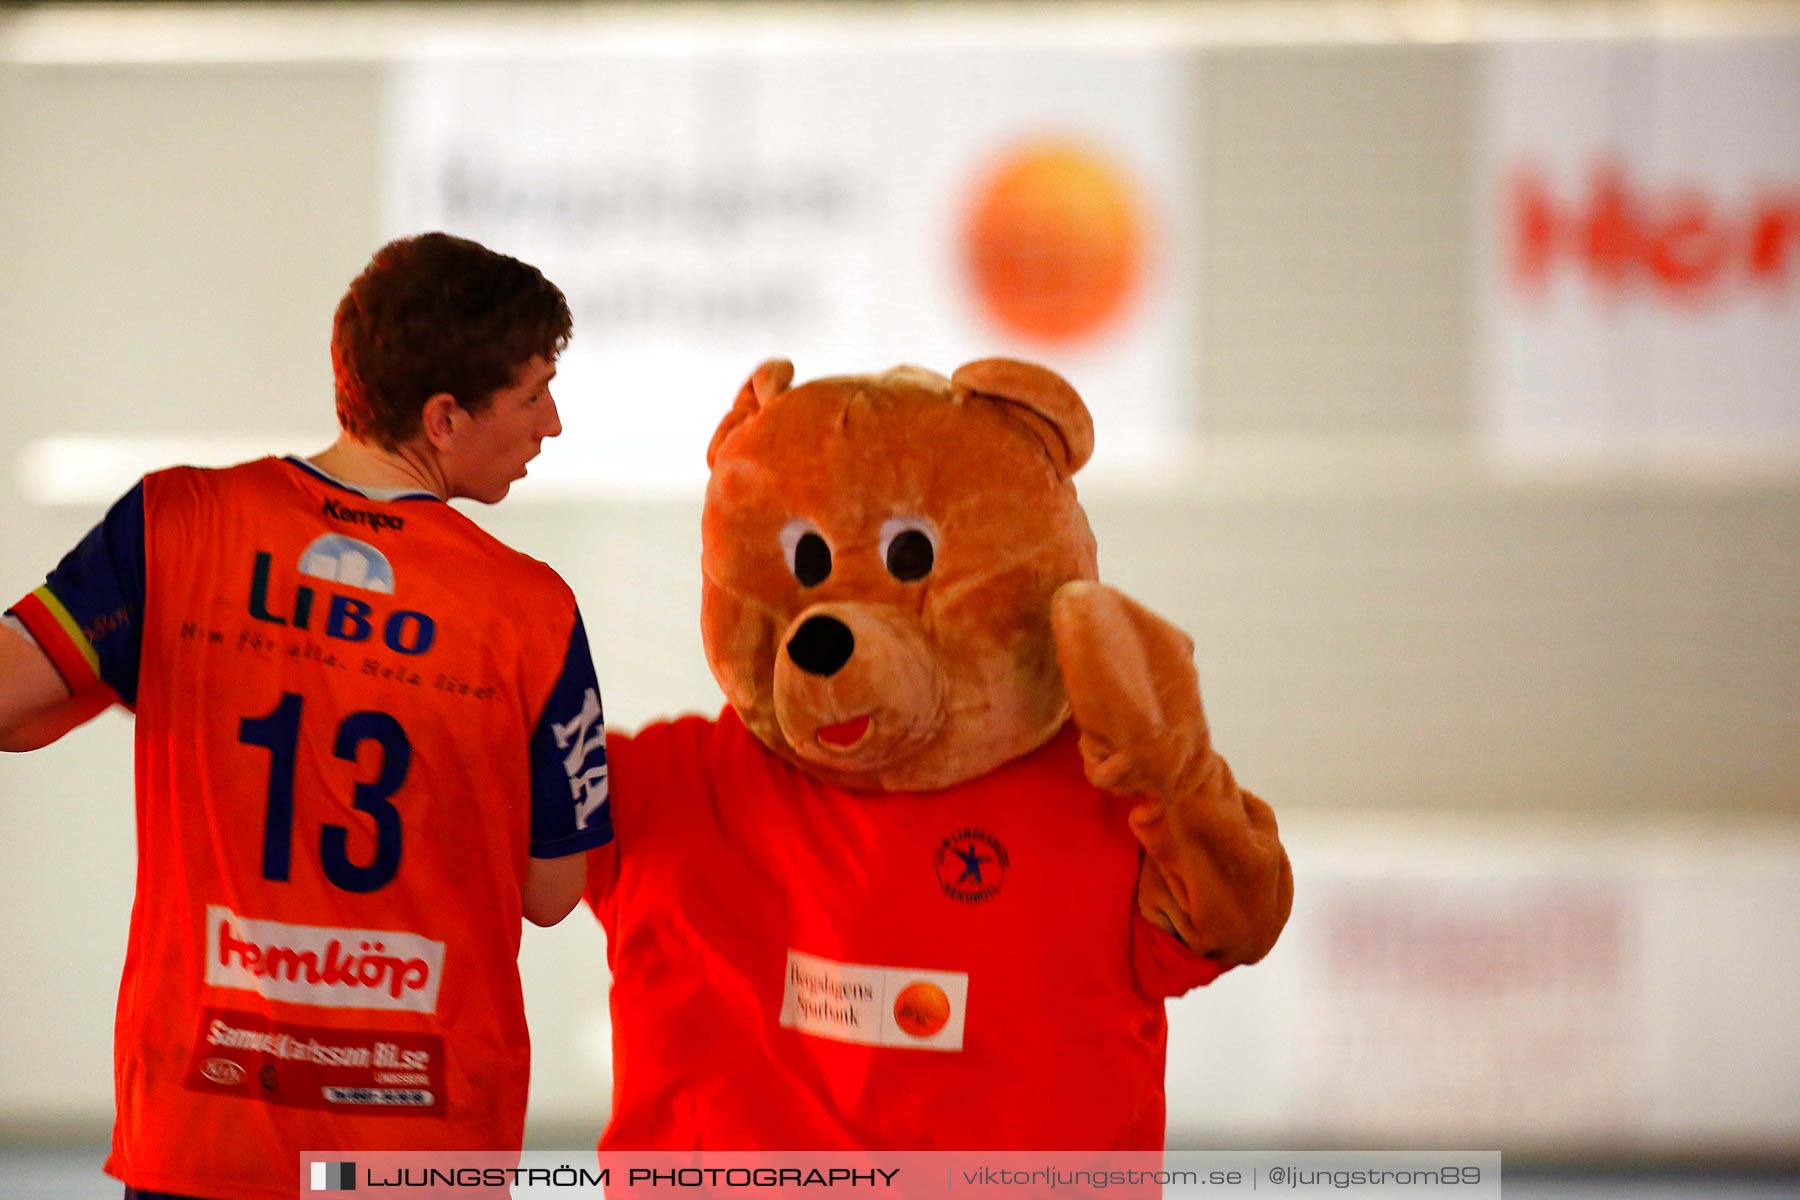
x,y
768,381
1037,398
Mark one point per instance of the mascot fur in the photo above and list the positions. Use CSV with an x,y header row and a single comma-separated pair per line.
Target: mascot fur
x,y
893,897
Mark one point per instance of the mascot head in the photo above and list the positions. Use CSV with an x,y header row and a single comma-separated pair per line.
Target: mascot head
x,y
880,553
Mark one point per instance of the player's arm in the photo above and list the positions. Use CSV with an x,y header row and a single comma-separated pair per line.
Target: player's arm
x,y
70,648
35,705
569,811
553,887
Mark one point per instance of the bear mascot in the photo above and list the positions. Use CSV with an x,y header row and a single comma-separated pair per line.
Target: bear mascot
x,y
927,880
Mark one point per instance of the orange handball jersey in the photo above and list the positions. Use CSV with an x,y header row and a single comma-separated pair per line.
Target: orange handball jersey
x,y
356,720
798,966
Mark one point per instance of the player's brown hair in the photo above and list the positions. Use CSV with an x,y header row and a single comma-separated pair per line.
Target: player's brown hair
x,y
436,313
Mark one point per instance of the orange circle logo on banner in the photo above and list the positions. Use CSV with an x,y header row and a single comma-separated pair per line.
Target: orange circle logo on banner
x,y
1053,242
922,1009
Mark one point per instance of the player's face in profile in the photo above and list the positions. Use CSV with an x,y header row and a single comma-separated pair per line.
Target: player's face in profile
x,y
509,433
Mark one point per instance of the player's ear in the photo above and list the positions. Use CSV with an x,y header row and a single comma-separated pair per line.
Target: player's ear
x,y
438,419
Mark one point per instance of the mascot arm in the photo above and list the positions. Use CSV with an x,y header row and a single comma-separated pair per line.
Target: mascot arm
x,y
626,767
1215,875
602,879
657,779
1160,963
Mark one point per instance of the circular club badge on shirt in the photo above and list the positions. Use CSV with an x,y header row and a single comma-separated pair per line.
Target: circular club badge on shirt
x,y
971,865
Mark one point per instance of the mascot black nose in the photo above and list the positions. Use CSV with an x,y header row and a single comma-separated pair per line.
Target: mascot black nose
x,y
821,646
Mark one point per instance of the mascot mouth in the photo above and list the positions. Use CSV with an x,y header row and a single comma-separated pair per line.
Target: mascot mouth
x,y
845,735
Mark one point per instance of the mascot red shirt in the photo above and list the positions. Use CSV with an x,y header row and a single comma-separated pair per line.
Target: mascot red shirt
x,y
894,897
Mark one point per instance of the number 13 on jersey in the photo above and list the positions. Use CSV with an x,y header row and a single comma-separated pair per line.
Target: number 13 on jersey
x,y
279,733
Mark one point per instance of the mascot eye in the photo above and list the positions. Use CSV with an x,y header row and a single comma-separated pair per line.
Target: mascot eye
x,y
808,556
908,547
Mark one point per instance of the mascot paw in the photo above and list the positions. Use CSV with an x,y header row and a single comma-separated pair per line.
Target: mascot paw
x,y
1133,690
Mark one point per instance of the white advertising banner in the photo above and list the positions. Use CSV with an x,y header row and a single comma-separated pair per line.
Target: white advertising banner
x,y
848,203
1639,228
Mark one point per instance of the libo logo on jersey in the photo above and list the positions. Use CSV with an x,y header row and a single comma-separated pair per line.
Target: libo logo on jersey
x,y
349,563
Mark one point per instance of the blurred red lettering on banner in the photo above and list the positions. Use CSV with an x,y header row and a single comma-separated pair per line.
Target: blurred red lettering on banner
x,y
1678,242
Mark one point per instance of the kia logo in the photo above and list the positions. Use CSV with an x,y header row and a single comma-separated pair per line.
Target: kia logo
x,y
223,1071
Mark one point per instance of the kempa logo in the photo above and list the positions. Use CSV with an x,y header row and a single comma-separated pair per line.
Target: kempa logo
x,y
362,516
333,1177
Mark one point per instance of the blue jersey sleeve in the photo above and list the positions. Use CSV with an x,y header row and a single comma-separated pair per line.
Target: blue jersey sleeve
x,y
89,615
569,810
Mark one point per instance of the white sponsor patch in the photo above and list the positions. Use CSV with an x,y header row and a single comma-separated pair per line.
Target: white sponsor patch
x,y
379,1097
319,965
877,1006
